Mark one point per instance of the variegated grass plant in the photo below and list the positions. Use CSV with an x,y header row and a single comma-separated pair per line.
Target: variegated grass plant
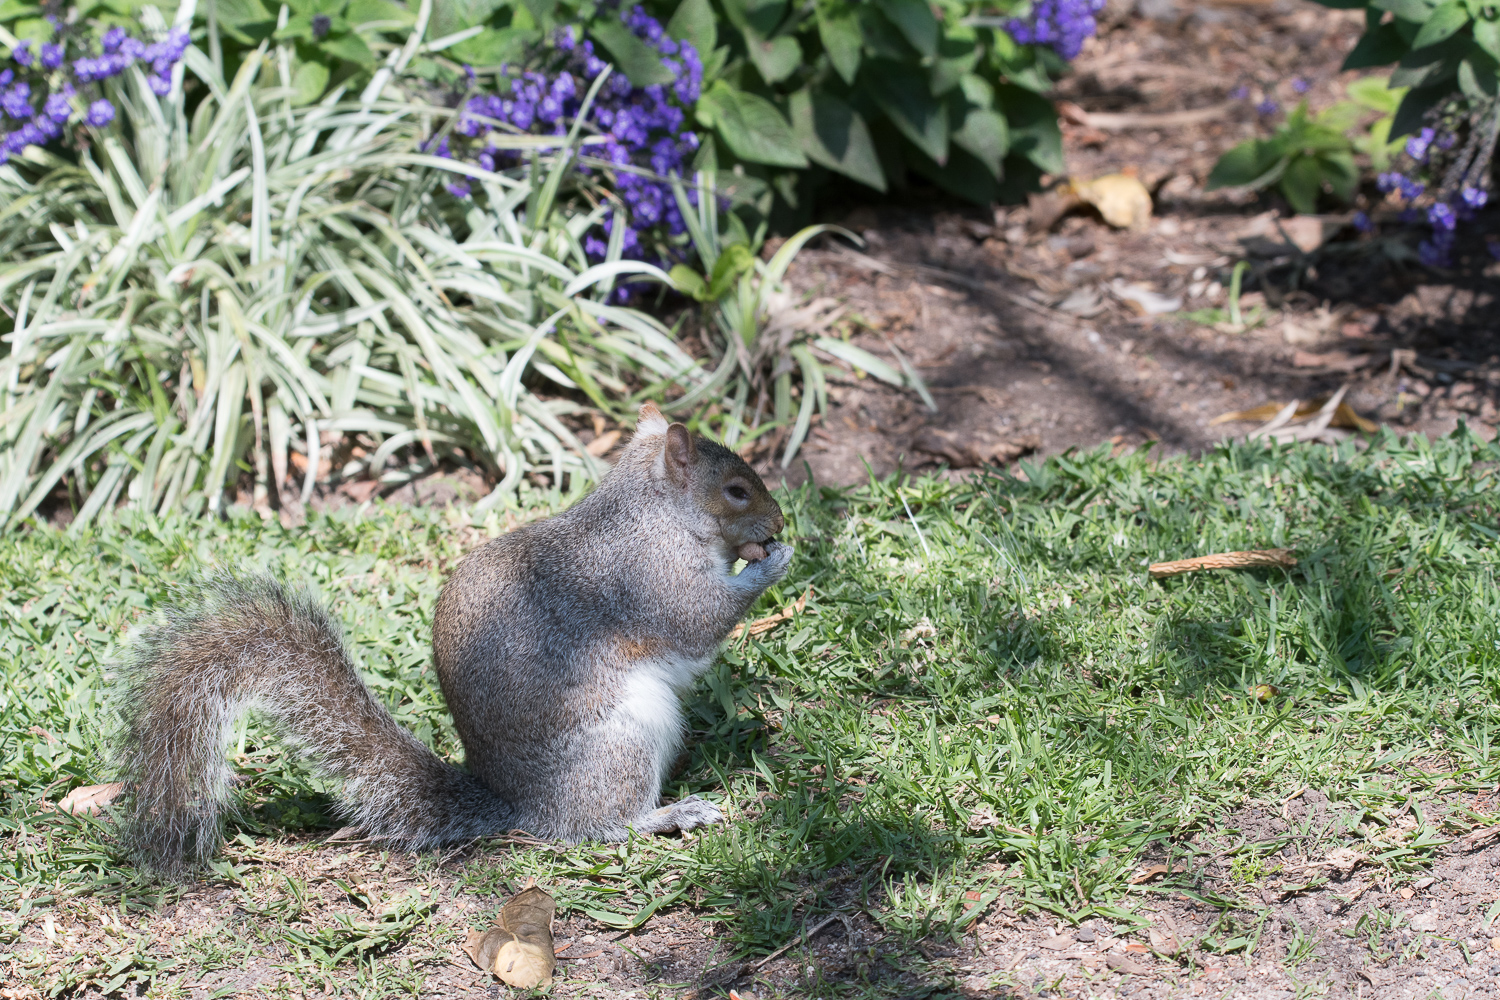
x,y
215,285
766,334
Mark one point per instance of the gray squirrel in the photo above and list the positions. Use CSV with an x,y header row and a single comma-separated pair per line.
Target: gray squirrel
x,y
562,648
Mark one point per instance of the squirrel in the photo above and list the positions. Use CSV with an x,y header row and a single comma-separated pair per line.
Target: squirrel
x,y
562,649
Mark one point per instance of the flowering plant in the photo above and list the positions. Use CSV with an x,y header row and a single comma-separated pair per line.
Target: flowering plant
x,y
46,86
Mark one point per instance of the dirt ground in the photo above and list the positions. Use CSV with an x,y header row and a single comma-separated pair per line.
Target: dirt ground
x,y
1017,321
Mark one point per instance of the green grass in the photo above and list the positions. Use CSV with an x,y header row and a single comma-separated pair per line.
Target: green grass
x,y
986,694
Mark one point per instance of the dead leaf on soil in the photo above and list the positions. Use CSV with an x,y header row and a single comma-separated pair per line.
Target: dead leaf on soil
x,y
1482,837
1123,965
1429,922
518,948
1056,943
1167,939
90,799
1122,200
1333,361
1343,415
1345,859
763,625
1143,299
1154,871
969,451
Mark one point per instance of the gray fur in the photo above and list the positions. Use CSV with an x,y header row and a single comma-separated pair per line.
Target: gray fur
x,y
561,647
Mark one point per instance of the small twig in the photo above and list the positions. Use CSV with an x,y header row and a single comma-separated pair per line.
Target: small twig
x,y
808,936
1225,560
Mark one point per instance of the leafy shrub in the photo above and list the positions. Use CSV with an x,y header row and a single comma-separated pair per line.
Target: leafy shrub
x,y
196,289
1311,153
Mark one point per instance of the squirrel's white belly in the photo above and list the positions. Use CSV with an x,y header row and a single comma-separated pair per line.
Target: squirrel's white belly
x,y
650,705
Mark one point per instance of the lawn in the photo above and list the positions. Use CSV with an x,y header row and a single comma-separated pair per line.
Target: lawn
x,y
986,704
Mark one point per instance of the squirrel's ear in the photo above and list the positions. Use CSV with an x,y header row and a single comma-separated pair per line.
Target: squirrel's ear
x,y
649,422
681,453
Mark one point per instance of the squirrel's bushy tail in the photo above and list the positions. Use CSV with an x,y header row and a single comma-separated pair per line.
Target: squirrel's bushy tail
x,y
243,644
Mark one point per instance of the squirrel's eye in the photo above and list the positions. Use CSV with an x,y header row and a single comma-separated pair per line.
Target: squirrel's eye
x,y
737,493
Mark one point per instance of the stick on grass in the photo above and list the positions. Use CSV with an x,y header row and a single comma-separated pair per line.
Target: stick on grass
x,y
1225,560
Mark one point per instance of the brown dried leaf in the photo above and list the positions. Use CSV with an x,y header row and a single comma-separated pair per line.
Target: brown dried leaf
x,y
763,625
1056,943
90,799
518,948
1164,942
600,445
1148,873
1124,965
1122,200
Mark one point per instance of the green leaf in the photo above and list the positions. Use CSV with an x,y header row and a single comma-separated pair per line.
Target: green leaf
x,y
12,9
349,47
693,22
689,282
1254,163
761,16
986,135
1431,65
362,12
880,38
1341,174
640,63
1033,127
1446,21
751,126
1487,37
1415,11
838,29
915,21
1378,46
900,91
245,21
494,46
734,261
1302,182
775,58
1414,107
450,16
309,82
958,54
1374,93
834,135
541,11
1477,77
35,29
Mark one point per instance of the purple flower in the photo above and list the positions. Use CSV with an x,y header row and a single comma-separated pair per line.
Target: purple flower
x,y
320,25
1062,25
113,39
161,86
1300,85
1474,197
16,102
1362,222
1412,189
52,55
1389,181
57,108
22,53
457,189
100,113
1437,251
1441,216
1268,107
1240,93
1416,146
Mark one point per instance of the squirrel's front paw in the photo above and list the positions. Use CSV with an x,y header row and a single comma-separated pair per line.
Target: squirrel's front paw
x,y
764,572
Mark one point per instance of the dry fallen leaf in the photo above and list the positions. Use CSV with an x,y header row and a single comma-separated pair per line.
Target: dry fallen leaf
x,y
600,445
1123,965
1164,942
1145,301
763,625
1148,873
1426,922
1122,200
90,799
1225,560
1343,416
1343,858
1056,943
518,948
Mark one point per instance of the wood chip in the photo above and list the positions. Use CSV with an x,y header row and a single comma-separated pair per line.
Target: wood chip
x,y
1476,839
1225,560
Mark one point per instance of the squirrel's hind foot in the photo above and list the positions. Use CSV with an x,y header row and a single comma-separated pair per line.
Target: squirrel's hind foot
x,y
681,816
